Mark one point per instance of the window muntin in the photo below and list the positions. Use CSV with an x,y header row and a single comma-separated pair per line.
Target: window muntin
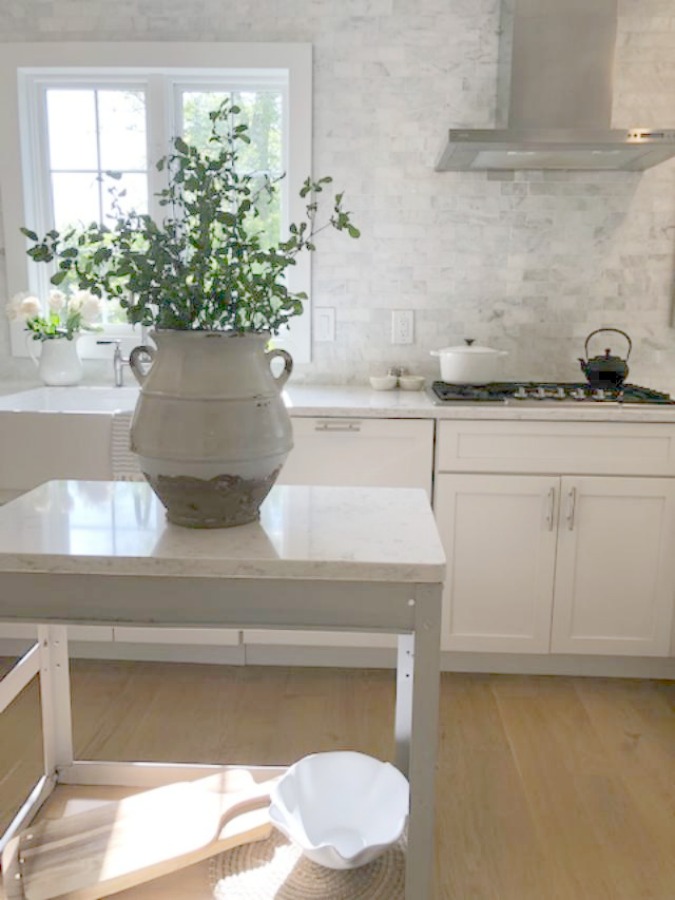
x,y
91,131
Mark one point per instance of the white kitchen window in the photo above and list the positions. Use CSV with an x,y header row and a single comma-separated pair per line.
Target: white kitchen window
x,y
71,113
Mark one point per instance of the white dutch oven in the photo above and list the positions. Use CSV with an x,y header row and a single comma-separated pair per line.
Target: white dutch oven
x,y
470,363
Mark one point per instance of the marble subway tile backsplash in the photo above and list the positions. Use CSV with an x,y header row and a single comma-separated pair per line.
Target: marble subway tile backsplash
x,y
527,262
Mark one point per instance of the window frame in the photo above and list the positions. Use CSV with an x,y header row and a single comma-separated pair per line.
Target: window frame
x,y
168,68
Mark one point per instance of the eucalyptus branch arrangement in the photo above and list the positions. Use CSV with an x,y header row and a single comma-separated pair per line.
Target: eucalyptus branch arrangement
x,y
207,265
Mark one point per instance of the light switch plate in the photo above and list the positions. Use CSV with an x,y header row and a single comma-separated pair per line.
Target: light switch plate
x,y
402,326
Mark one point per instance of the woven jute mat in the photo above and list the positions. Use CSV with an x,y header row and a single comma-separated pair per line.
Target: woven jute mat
x,y
275,869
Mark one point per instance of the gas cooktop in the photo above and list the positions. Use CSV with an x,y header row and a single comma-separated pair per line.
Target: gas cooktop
x,y
517,391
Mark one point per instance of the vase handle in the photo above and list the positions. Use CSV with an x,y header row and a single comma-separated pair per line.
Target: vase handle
x,y
283,376
31,352
138,359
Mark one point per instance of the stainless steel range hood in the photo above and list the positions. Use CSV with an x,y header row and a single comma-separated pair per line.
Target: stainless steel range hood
x,y
554,97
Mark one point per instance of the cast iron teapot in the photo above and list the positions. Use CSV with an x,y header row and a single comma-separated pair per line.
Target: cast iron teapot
x,y
606,371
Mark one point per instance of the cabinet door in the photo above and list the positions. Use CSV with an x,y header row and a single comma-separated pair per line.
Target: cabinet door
x,y
499,535
353,452
616,566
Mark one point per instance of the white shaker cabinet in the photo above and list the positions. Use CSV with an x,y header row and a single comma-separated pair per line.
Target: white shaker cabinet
x,y
353,452
615,571
567,563
499,536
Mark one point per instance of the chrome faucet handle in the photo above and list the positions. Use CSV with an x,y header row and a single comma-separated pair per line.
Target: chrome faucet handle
x,y
119,361
115,341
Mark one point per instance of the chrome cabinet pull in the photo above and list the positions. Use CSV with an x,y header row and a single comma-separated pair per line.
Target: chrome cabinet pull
x,y
550,508
337,425
571,507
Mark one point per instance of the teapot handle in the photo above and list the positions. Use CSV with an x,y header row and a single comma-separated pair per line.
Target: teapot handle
x,y
617,330
137,357
284,375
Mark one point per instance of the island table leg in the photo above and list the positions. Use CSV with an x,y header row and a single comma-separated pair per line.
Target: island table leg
x,y
57,728
417,699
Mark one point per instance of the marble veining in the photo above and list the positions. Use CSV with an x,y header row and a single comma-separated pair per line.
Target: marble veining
x,y
322,533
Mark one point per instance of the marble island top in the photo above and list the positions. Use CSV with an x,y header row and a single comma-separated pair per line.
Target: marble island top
x,y
320,533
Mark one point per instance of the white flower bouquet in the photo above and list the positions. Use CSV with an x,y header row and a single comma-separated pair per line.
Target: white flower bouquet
x,y
66,317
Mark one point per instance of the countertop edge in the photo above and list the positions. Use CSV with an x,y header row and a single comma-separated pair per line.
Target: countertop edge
x,y
344,401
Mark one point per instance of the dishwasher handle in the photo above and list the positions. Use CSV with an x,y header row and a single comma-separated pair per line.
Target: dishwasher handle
x,y
337,425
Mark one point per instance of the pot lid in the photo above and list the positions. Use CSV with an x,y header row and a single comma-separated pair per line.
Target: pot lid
x,y
469,346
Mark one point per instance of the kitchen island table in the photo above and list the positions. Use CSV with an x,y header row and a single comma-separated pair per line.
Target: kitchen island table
x,y
347,559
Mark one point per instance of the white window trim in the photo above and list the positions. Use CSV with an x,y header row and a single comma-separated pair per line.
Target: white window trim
x,y
295,59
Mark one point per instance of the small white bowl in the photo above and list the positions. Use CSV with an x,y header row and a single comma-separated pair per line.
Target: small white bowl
x,y
343,809
383,382
411,382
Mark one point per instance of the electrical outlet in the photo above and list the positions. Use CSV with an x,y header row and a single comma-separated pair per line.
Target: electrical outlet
x,y
402,326
324,323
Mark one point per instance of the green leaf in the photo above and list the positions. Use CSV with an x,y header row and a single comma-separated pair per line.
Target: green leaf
x,y
208,263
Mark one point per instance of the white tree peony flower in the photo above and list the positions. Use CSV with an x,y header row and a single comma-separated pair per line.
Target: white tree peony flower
x,y
30,307
22,306
12,308
89,305
57,300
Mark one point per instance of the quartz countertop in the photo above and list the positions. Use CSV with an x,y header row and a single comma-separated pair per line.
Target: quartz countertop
x,y
358,401
321,533
363,402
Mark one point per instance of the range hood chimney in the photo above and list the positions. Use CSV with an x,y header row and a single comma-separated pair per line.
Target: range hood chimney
x,y
554,97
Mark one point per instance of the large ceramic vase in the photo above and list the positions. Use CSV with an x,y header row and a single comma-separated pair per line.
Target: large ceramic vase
x,y
210,428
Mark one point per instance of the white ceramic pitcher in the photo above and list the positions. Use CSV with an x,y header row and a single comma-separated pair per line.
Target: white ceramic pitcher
x,y
59,362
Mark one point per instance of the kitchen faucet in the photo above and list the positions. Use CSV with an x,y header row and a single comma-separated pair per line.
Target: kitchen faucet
x,y
119,362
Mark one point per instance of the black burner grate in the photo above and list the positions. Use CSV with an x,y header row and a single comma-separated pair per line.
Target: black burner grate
x,y
502,391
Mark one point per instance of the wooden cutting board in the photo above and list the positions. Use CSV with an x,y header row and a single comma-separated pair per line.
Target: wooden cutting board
x,y
92,854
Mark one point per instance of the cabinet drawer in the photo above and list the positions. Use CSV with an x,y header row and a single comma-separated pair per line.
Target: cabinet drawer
x,y
75,632
603,448
355,452
215,636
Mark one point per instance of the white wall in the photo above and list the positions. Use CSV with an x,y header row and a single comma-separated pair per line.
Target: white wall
x,y
530,263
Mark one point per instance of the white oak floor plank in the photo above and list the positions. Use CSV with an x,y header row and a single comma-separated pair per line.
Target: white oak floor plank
x,y
549,788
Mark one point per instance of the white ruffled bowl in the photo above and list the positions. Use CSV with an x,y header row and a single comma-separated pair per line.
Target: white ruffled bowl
x,y
343,809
